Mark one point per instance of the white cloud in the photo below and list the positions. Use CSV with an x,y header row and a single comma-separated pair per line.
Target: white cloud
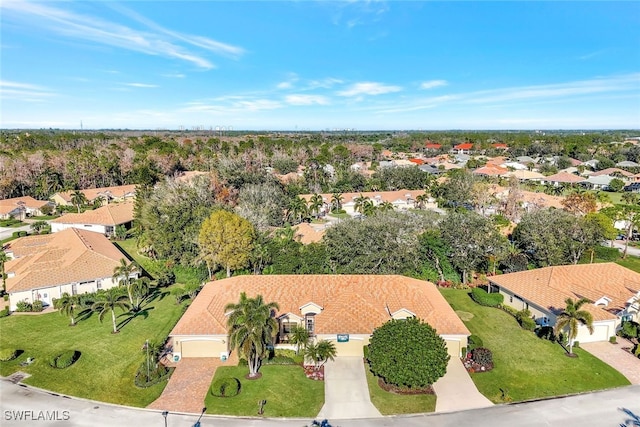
x,y
23,91
144,85
369,88
306,99
326,83
433,83
174,75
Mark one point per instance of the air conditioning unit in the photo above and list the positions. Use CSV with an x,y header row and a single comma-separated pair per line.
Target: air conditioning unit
x,y
177,357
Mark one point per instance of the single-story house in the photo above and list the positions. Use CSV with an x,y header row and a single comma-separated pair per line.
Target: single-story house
x,y
598,182
401,199
103,220
563,178
526,175
43,267
22,207
490,170
627,164
613,292
109,194
432,146
344,309
464,148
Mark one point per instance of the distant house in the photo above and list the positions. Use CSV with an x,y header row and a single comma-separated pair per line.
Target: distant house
x,y
627,164
598,182
464,148
103,220
614,172
614,292
526,175
430,169
400,199
525,160
564,178
22,207
43,267
500,146
490,170
432,146
108,194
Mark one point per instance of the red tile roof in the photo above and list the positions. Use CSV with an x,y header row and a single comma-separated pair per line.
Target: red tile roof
x,y
499,145
354,304
417,161
433,146
464,146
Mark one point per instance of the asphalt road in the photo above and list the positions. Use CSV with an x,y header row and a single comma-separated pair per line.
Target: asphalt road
x,y
601,409
630,251
6,232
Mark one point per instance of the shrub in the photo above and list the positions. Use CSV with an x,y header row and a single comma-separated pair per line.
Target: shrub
x,y
512,311
22,233
4,312
630,329
528,324
613,340
225,387
64,359
15,234
36,306
482,297
482,356
637,351
7,354
5,297
546,333
279,360
474,342
365,351
23,306
156,374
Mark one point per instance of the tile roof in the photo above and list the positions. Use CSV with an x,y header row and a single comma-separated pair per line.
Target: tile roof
x,y
111,214
382,196
464,146
490,170
610,171
565,177
69,256
499,145
8,205
354,304
119,191
433,146
307,233
549,287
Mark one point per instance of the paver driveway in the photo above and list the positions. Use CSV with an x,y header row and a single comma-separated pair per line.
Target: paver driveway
x,y
613,355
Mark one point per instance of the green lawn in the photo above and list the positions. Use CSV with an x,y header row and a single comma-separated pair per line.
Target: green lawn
x,y
288,392
525,366
391,404
106,368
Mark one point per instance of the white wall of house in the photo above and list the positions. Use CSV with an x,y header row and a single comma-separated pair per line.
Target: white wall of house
x,y
57,226
48,293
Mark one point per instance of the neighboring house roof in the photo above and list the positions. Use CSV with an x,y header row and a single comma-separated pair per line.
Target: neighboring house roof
x,y
69,256
525,159
526,175
381,196
403,163
564,177
500,145
490,170
306,233
9,205
575,162
464,146
111,214
610,171
531,198
599,179
627,164
417,161
355,304
549,287
433,146
116,192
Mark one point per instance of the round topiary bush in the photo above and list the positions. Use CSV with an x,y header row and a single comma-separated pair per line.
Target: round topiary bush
x,y
65,359
7,354
225,387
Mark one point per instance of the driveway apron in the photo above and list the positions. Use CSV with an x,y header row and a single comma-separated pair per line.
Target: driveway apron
x,y
614,356
346,394
456,391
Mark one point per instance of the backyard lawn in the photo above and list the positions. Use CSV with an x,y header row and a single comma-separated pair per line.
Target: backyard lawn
x,y
288,392
390,403
527,367
106,368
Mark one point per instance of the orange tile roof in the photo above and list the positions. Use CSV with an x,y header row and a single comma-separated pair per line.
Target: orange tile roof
x,y
464,146
111,214
8,205
490,170
499,145
565,177
433,146
119,191
306,233
417,161
69,256
355,304
549,287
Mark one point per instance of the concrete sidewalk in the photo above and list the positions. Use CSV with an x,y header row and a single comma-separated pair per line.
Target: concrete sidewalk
x,y
346,394
456,391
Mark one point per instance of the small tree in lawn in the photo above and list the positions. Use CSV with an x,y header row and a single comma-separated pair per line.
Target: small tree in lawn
x,y
572,317
320,352
299,336
408,353
67,305
108,302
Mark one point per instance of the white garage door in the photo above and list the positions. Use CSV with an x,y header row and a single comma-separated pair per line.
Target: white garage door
x,y
453,347
350,348
202,348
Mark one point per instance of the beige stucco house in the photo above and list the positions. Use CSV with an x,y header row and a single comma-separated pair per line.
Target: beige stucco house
x,y
344,309
22,207
118,193
400,199
614,292
103,220
43,267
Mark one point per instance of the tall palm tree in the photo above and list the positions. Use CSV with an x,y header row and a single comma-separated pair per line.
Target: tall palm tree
x,y
359,203
315,203
109,301
572,317
385,206
122,275
139,290
368,208
297,210
299,336
421,200
251,328
320,353
67,305
336,201
3,259
78,199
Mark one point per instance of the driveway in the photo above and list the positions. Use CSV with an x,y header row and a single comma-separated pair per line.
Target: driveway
x,y
613,355
346,394
630,250
456,391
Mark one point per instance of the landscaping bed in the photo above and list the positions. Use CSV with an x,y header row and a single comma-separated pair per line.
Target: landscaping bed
x,y
390,401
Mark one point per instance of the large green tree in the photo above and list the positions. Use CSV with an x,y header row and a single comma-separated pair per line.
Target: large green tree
x,y
226,239
251,329
109,301
571,318
408,353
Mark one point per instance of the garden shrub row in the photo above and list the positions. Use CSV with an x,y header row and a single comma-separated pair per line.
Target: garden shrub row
x,y
482,297
19,234
8,354
225,387
23,306
64,359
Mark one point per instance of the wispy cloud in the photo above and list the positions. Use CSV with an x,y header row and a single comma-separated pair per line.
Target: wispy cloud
x,y
369,88
23,91
174,75
306,100
158,42
355,13
326,83
591,55
433,83
289,82
143,85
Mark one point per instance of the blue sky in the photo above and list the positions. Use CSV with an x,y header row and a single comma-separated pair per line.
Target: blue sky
x,y
313,65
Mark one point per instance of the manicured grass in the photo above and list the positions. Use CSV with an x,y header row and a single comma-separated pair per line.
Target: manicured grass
x,y
631,262
45,217
391,403
288,392
525,366
107,366
11,223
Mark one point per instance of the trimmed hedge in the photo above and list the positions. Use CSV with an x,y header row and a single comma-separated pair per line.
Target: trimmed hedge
x,y
225,387
4,312
65,359
474,342
482,297
8,354
546,333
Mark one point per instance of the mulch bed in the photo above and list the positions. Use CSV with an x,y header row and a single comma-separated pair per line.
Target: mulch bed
x,y
403,390
255,377
313,374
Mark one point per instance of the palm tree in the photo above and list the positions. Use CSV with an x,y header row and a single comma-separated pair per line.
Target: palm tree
x,y
368,208
385,206
78,199
321,352
251,329
421,200
315,203
109,301
139,291
572,317
630,198
359,203
297,210
336,201
38,226
122,275
3,259
67,305
299,336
